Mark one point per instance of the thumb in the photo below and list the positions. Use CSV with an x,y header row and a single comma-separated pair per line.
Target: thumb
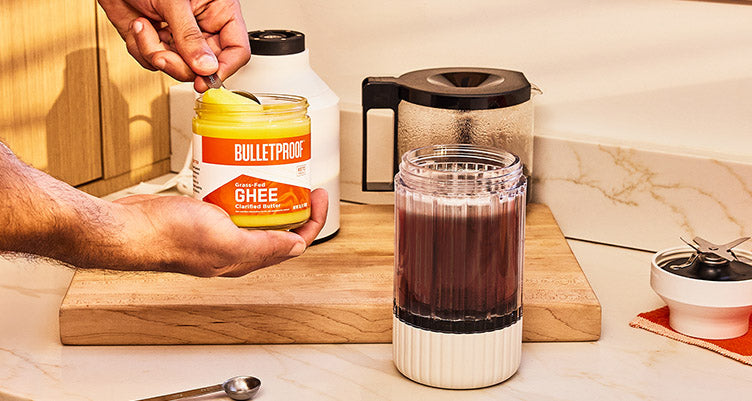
x,y
131,199
189,40
264,248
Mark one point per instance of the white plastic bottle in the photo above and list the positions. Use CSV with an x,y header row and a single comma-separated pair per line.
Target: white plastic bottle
x,y
280,64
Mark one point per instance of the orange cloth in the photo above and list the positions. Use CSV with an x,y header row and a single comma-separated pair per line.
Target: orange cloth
x,y
739,348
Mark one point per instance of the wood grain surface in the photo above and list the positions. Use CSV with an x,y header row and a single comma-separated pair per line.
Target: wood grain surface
x,y
49,86
134,107
339,291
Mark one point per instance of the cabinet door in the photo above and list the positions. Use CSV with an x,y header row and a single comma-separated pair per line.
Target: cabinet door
x,y
49,86
135,120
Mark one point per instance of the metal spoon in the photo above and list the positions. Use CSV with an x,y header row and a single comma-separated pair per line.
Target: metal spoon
x,y
237,388
214,82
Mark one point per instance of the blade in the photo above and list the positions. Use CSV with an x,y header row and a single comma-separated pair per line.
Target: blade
x,y
733,244
691,245
711,248
705,246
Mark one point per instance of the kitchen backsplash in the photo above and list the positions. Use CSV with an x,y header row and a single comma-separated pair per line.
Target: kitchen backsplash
x,y
642,198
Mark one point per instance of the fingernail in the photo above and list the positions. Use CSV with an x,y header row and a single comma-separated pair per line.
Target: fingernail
x,y
160,63
298,249
138,26
208,62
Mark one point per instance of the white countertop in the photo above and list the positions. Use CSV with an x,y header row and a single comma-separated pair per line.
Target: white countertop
x,y
626,363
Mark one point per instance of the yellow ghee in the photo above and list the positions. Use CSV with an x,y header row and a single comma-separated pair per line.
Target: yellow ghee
x,y
253,160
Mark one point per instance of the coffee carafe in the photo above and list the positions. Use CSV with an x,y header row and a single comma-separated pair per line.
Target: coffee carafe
x,y
481,106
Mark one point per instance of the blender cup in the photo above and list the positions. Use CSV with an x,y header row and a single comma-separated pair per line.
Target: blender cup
x,y
460,224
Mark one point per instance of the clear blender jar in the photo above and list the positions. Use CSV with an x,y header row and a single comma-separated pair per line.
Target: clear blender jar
x,y
460,228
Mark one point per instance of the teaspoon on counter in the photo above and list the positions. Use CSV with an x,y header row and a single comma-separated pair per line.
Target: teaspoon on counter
x,y
237,388
214,82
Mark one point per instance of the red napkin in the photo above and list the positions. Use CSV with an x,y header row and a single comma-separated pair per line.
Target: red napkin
x,y
739,348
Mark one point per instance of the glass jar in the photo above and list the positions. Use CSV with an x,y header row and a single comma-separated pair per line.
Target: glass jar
x,y
460,224
254,161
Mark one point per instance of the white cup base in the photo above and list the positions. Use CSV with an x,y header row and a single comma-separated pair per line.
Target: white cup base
x,y
456,361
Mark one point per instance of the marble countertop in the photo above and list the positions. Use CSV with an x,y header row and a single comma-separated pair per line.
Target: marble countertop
x,y
626,363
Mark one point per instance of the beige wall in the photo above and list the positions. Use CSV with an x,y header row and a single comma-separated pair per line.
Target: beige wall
x,y
662,73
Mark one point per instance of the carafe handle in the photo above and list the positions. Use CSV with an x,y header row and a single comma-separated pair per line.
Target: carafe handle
x,y
379,93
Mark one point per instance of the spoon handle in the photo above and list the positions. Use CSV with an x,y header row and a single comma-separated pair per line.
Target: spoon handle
x,y
185,394
213,81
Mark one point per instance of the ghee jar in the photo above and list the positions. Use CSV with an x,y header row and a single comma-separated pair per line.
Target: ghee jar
x,y
252,160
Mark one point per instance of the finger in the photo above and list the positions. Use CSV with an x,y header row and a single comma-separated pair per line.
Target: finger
x,y
219,209
213,41
230,39
166,37
236,50
319,209
155,51
121,14
262,248
130,43
273,246
200,85
189,41
231,59
129,200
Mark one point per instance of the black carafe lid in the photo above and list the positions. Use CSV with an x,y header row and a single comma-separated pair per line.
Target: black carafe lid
x,y
464,88
276,42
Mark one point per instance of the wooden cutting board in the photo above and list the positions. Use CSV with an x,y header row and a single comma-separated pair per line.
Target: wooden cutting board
x,y
339,291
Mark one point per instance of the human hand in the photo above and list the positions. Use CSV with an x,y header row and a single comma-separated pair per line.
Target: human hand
x,y
185,235
186,39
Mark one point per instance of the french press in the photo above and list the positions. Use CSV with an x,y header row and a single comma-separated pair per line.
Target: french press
x,y
480,106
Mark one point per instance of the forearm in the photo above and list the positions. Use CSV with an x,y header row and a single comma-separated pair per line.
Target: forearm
x,y
44,216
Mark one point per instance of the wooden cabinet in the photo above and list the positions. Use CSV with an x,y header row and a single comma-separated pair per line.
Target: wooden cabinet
x,y
49,86
74,103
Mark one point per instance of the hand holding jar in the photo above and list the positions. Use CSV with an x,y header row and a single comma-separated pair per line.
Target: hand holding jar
x,y
184,235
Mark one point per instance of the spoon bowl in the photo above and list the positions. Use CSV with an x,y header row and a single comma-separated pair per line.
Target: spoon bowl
x,y
247,94
214,82
241,387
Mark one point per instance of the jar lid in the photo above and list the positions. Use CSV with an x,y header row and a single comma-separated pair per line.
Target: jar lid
x,y
276,42
464,88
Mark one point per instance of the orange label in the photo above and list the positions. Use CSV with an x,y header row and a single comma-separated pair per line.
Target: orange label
x,y
256,152
251,195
